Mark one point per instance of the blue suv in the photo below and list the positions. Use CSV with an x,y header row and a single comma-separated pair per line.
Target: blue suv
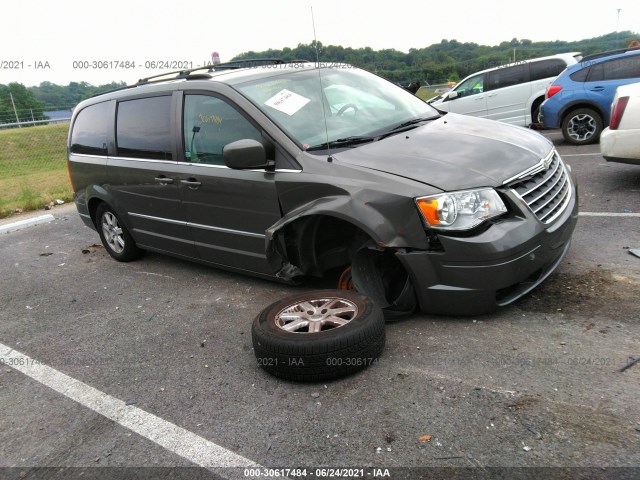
x,y
579,100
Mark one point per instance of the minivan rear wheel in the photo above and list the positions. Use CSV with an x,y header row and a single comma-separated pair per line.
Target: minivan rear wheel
x,y
115,236
582,126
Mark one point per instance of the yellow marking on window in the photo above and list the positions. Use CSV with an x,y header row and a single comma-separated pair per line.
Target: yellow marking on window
x,y
217,119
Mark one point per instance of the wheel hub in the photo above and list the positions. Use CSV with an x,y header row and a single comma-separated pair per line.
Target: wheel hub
x,y
582,127
316,315
112,232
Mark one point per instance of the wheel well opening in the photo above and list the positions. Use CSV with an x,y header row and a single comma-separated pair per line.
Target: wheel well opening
x,y
93,205
536,103
338,254
320,246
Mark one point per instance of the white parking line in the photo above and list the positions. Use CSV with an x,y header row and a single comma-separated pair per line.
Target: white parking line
x,y
607,214
27,222
182,442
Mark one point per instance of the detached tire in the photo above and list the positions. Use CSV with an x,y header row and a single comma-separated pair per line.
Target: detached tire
x,y
115,236
582,126
319,335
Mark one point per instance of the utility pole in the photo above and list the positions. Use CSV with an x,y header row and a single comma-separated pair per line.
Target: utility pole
x,y
617,25
514,54
14,109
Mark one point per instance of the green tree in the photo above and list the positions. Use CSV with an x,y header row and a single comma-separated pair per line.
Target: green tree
x,y
447,59
26,105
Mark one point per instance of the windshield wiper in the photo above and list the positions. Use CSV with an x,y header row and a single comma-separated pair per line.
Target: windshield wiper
x,y
405,126
357,140
343,142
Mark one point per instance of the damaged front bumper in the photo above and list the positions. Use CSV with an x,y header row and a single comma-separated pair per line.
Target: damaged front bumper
x,y
475,275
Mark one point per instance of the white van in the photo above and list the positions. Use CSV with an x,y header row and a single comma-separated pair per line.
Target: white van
x,y
509,93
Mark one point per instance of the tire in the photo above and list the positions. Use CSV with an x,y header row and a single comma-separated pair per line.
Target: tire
x,y
115,236
582,126
535,115
402,306
329,351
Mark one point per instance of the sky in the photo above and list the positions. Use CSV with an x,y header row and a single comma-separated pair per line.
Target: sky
x,y
71,40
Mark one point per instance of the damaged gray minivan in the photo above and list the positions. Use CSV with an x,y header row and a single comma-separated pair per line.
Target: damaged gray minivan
x,y
296,170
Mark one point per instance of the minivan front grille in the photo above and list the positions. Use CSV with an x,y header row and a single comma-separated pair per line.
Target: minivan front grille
x,y
546,191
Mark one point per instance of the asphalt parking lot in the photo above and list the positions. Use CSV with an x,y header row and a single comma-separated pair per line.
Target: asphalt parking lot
x,y
149,365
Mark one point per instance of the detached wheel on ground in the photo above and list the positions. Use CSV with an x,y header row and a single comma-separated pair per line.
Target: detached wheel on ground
x,y
318,335
115,236
582,126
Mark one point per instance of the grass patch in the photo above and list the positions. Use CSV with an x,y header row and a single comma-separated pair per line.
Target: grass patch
x,y
426,93
33,167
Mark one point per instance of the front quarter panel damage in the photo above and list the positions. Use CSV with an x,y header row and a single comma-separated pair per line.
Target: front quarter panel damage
x,y
388,218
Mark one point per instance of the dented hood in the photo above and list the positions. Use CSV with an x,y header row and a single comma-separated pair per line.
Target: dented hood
x,y
453,152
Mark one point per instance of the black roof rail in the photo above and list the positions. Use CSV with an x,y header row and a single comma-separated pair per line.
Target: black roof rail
x,y
112,90
232,65
188,74
593,56
249,62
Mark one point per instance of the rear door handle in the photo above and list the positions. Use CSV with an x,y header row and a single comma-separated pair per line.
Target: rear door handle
x,y
192,183
163,180
597,89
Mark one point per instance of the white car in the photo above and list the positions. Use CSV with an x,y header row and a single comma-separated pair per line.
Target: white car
x,y
620,141
508,93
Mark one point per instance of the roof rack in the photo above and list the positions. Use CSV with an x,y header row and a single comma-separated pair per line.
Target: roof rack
x,y
606,54
189,74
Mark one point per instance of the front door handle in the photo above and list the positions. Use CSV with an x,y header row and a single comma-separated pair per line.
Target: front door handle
x,y
192,183
162,180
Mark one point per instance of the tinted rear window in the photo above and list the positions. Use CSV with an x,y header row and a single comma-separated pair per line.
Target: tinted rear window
x,y
580,75
143,128
91,130
627,67
546,68
507,77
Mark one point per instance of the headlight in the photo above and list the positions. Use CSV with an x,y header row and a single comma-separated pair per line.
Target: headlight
x,y
460,210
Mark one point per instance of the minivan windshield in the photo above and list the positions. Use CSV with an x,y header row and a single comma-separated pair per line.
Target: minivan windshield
x,y
356,106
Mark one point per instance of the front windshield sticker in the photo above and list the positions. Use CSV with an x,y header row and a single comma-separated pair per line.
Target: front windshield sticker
x,y
287,102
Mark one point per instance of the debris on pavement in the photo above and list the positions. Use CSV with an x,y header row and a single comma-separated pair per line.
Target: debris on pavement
x,y
635,252
527,448
535,432
425,438
631,363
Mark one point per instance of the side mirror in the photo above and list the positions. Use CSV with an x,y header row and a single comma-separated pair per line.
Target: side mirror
x,y
452,94
246,154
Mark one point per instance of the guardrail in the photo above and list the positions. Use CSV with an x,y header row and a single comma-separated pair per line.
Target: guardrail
x,y
34,122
